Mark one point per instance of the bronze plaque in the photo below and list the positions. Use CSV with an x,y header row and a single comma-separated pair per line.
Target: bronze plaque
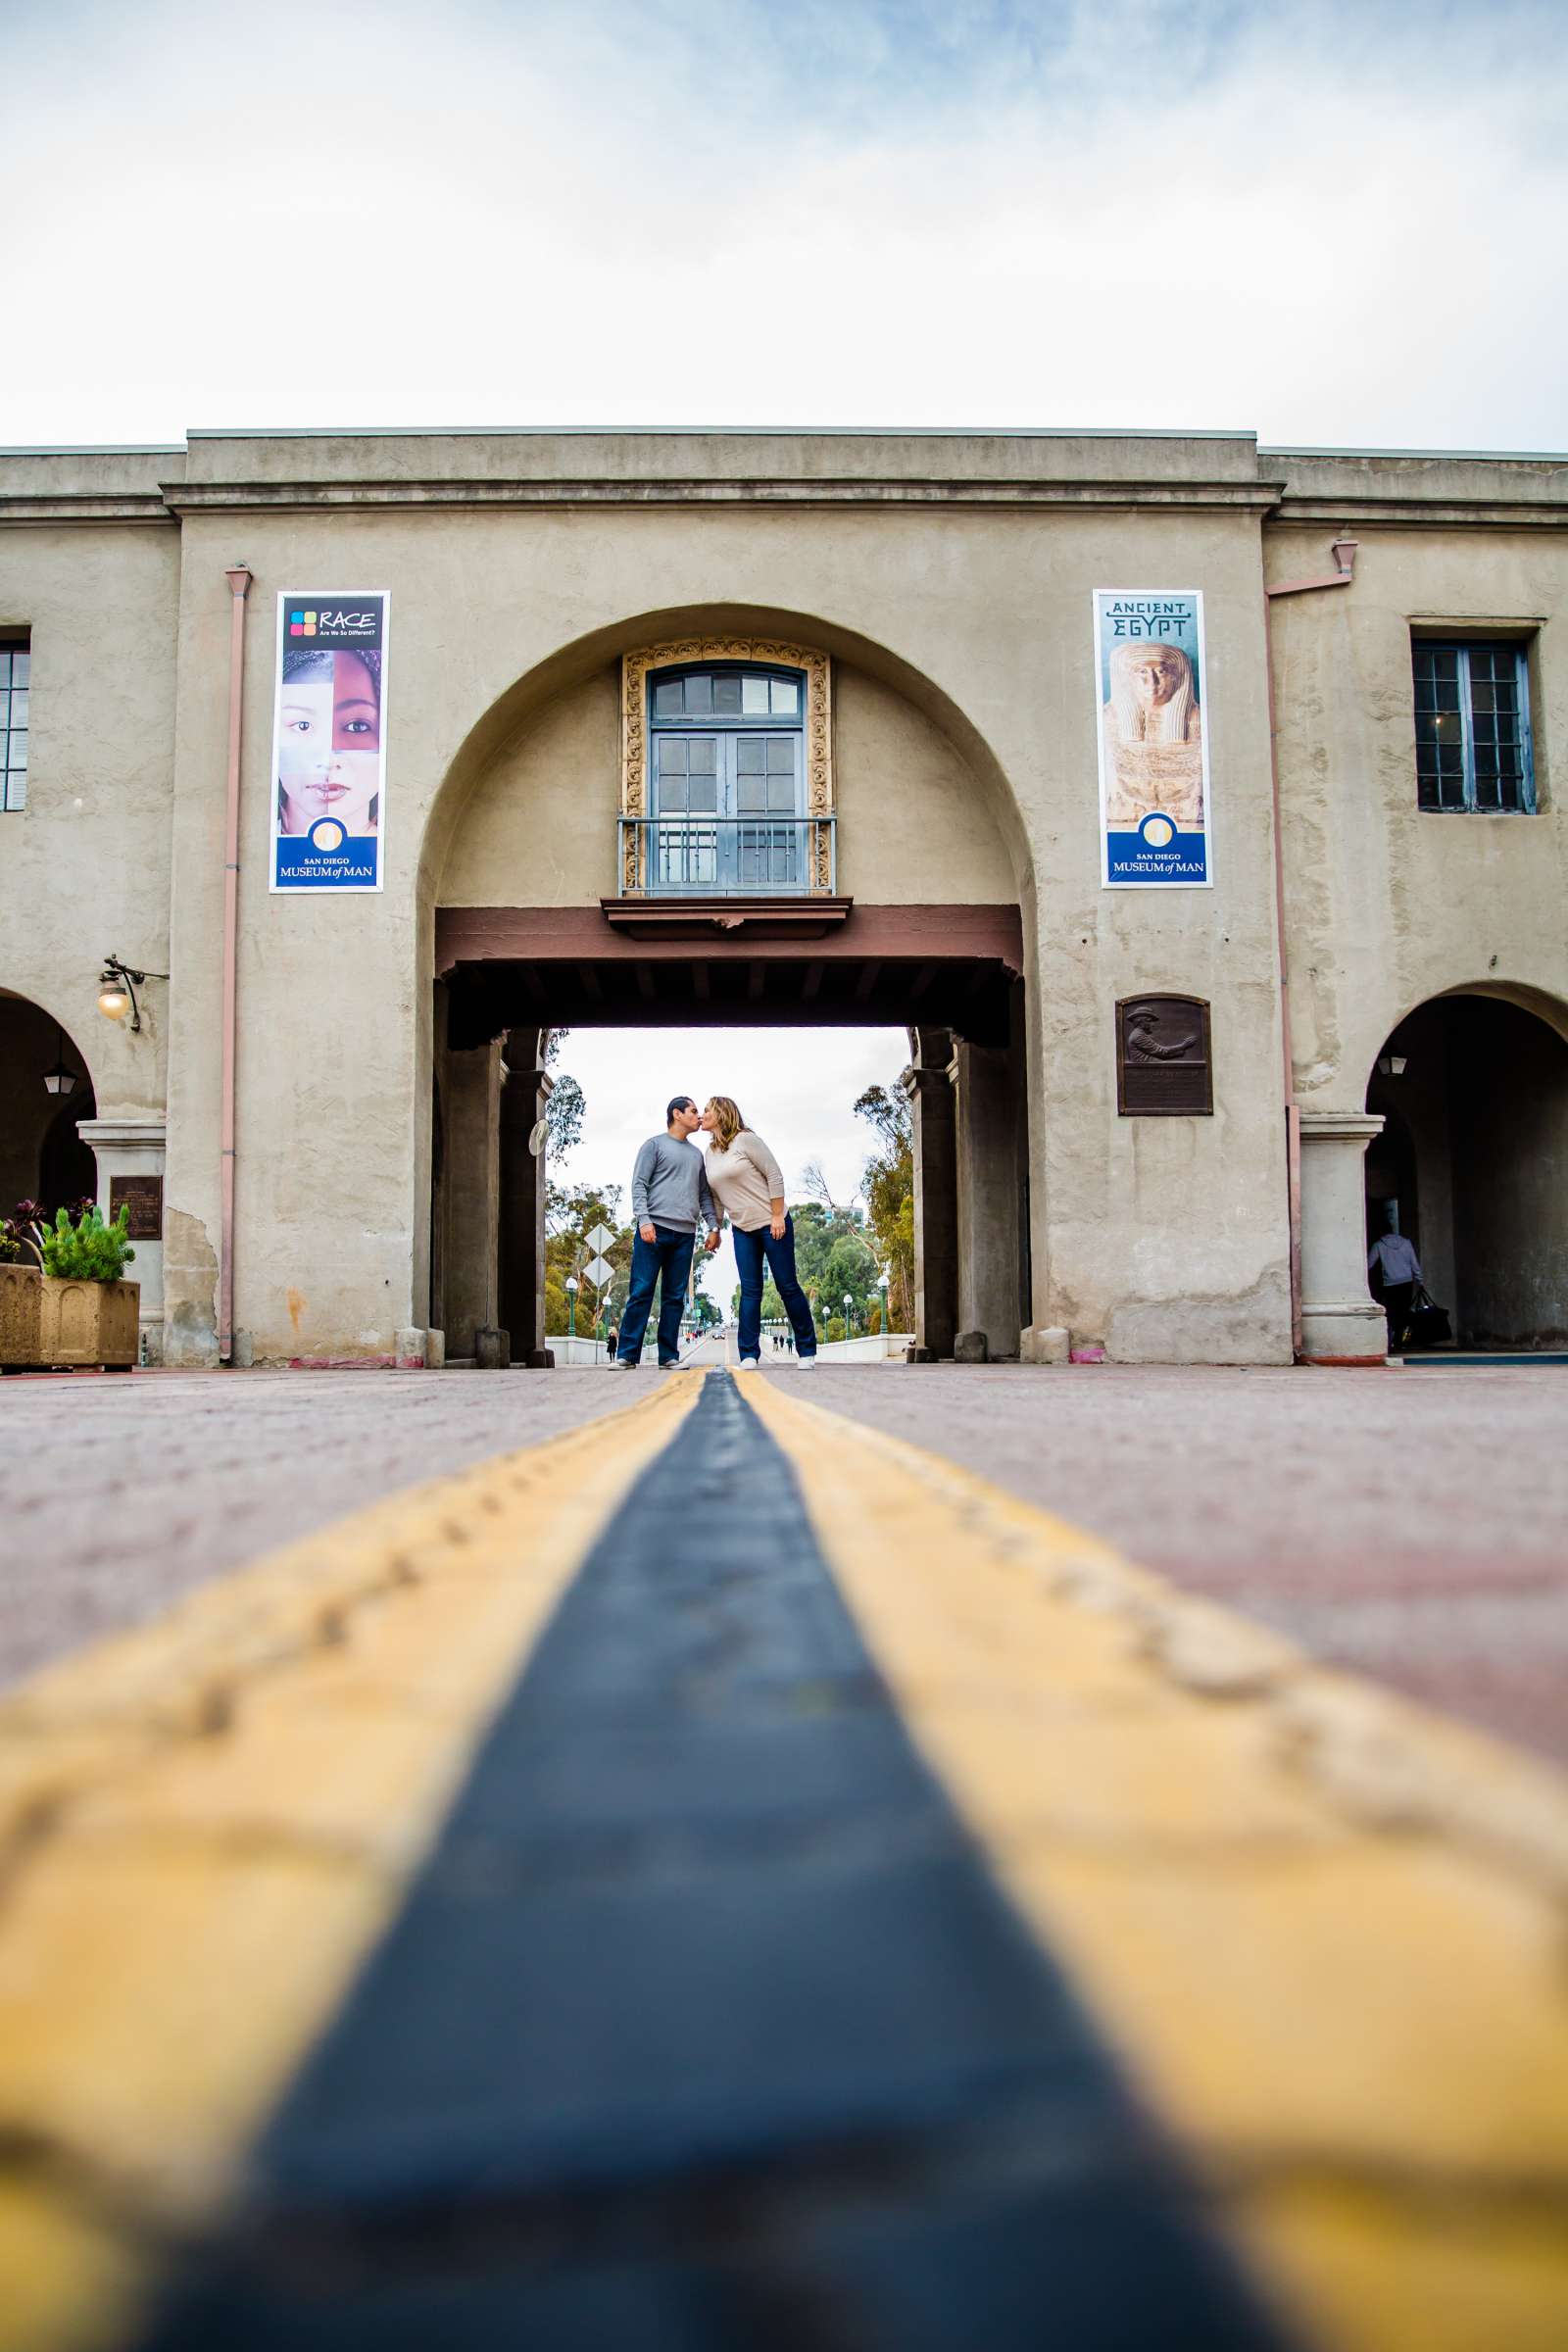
x,y
1163,1064
143,1196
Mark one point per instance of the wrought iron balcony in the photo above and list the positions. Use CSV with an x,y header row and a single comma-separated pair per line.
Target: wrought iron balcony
x,y
727,856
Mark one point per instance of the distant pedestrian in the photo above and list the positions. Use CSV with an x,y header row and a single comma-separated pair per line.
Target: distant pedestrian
x,y
670,1200
1392,1258
611,1342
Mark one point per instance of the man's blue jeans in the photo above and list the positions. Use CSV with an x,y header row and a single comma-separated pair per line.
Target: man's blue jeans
x,y
751,1248
667,1262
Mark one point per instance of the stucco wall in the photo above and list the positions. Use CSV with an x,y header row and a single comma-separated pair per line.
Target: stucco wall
x,y
1162,1237
989,615
85,866
914,826
1389,904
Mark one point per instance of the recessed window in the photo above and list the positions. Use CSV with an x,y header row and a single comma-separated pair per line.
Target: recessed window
x,y
14,664
1472,729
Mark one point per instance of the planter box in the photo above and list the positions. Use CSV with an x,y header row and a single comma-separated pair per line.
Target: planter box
x,y
21,1310
89,1323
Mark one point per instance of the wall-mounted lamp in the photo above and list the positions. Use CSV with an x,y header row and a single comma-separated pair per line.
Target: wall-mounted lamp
x,y
60,1080
1392,1066
117,990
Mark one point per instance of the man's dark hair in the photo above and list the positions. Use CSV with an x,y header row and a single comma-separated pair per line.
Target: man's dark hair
x,y
677,1103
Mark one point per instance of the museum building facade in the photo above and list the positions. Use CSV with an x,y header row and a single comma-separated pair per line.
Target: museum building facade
x,y
1192,805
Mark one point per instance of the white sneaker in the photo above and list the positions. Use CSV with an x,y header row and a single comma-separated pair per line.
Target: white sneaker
x,y
805,1363
749,1363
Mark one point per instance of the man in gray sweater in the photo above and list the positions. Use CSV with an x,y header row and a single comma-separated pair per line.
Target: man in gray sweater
x,y
670,1200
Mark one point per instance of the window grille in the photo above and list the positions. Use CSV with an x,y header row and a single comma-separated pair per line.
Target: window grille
x,y
15,666
1472,729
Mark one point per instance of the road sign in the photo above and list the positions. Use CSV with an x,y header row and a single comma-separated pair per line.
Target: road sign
x,y
600,1238
598,1271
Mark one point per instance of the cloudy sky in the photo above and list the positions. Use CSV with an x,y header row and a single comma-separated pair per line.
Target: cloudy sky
x,y
1337,222
796,1087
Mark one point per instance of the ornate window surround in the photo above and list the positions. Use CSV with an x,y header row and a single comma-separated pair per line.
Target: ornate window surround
x,y
678,653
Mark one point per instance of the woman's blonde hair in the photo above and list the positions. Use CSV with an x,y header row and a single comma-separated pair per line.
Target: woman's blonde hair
x,y
729,1120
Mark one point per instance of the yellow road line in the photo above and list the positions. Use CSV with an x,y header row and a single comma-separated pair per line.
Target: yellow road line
x,y
1325,1928
206,1823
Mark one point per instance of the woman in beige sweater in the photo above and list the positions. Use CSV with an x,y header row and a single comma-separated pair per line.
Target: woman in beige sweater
x,y
747,1184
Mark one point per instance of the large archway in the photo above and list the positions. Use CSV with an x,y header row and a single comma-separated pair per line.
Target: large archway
x,y
1472,1162
46,1090
530,925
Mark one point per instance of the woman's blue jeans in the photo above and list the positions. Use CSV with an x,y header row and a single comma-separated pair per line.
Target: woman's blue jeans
x,y
751,1250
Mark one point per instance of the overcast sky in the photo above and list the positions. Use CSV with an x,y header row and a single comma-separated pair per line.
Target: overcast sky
x,y
796,1087
1337,222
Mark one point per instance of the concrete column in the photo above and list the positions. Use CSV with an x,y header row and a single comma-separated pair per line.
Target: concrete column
x,y
985,1129
936,1204
1341,1321
1018,1079
135,1147
524,1100
471,1195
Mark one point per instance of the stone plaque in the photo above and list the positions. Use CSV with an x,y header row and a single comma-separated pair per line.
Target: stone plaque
x,y
1162,1059
143,1196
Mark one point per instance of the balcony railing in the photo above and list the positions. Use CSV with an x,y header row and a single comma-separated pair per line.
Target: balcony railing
x,y
718,856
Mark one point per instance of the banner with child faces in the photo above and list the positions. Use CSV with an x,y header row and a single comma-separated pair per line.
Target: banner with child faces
x,y
1154,816
330,740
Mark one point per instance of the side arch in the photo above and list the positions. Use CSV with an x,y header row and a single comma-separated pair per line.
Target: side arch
x,y
1471,1085
1378,1020
36,1152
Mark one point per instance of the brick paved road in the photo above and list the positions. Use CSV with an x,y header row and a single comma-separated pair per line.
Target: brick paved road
x,y
117,1497
1412,1525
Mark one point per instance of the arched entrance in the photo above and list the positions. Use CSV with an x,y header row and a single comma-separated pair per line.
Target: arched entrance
x,y
749,820
1471,1163
45,1093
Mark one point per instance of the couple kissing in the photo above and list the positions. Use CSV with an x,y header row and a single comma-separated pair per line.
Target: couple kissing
x,y
674,1189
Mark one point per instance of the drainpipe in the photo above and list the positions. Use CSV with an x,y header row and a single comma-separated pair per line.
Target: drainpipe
x,y
239,580
1343,554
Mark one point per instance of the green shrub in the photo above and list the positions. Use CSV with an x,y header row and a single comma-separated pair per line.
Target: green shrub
x,y
90,1250
835,1327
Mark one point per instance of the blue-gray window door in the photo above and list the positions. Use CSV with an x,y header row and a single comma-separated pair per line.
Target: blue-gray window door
x,y
730,810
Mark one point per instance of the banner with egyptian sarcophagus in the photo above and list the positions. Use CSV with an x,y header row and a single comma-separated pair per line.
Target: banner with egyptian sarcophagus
x,y
1156,817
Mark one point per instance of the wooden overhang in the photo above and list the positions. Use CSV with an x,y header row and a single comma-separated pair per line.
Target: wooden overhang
x,y
702,917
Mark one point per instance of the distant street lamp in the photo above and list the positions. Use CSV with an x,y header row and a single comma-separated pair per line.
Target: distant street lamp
x,y
572,1306
849,1315
882,1286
